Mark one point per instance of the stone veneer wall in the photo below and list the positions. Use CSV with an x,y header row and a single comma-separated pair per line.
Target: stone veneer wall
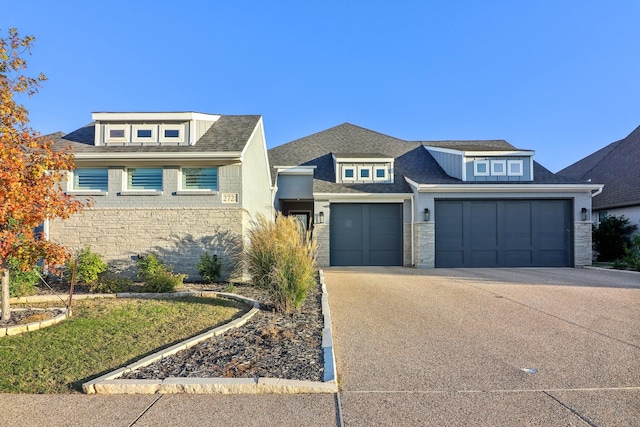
x,y
321,236
425,249
582,249
177,235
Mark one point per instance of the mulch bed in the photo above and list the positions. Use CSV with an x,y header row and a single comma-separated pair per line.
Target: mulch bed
x,y
22,317
270,344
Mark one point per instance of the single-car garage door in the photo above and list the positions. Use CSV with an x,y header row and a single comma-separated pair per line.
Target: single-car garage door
x,y
366,234
503,233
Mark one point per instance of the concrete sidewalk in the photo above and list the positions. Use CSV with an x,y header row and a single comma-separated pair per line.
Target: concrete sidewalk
x,y
450,347
167,410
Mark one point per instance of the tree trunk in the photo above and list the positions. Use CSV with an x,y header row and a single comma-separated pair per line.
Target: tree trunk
x,y
6,311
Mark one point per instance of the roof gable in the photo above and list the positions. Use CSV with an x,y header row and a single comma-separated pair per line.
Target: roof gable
x,y
617,166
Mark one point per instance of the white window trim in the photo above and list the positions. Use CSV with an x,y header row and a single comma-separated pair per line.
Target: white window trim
x,y
109,128
368,168
495,163
71,179
385,177
344,172
203,191
476,163
152,138
136,192
520,164
178,127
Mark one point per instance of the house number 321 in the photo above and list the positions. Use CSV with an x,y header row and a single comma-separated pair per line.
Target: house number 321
x,y
229,197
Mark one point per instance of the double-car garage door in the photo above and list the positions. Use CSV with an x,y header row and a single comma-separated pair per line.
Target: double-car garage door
x,y
366,234
503,233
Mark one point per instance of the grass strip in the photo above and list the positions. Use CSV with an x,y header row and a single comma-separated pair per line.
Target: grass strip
x,y
103,335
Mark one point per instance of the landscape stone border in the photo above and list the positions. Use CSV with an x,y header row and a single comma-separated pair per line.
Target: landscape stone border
x,y
33,326
111,383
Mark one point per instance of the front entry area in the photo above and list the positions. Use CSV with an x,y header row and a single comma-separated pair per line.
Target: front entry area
x,y
366,234
503,233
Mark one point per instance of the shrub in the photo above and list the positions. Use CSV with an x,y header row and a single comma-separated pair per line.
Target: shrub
x,y
157,276
111,284
209,267
612,236
90,265
632,253
280,258
22,283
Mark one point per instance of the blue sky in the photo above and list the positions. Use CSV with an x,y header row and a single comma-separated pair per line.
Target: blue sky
x,y
559,77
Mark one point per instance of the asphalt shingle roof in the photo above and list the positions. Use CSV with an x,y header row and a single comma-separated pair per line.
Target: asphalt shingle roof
x,y
617,166
227,134
412,160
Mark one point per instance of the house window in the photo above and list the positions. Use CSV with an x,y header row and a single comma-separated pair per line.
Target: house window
x,y
498,167
90,179
144,133
348,173
116,133
381,173
364,173
200,179
602,215
481,167
171,133
144,179
514,168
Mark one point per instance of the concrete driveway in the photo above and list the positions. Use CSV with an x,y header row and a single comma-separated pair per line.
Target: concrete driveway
x,y
453,346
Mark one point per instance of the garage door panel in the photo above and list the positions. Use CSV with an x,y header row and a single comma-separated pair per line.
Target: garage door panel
x,y
509,233
366,234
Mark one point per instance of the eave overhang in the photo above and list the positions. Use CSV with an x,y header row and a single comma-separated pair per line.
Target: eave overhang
x,y
504,188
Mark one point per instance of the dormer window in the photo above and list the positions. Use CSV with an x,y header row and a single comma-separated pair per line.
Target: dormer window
x,y
498,167
364,172
116,133
481,167
514,167
380,174
348,173
172,133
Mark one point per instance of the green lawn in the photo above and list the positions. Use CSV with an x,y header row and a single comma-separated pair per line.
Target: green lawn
x,y
102,335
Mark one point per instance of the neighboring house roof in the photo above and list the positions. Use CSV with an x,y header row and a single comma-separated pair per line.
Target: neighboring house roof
x,y
412,160
617,166
227,134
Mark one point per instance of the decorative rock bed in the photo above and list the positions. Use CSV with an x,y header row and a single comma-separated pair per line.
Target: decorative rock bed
x,y
56,315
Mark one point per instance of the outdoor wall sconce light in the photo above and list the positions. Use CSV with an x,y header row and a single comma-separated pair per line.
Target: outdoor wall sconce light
x,y
585,215
427,214
320,217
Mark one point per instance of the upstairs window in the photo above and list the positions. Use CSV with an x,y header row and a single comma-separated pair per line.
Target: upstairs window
x,y
116,133
348,174
171,133
90,179
144,133
515,168
481,167
200,179
144,179
498,167
364,173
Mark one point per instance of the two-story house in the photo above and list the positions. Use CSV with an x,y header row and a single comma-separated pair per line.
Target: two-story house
x,y
379,200
176,184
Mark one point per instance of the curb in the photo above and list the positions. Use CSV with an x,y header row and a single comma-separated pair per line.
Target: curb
x,y
34,326
111,384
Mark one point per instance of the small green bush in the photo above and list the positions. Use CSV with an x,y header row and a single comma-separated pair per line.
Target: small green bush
x,y
209,267
90,265
158,277
111,284
22,283
612,236
280,258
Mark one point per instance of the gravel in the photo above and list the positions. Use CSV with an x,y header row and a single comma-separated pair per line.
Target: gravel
x,y
270,344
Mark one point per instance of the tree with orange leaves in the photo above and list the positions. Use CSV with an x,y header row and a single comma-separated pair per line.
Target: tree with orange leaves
x,y
30,171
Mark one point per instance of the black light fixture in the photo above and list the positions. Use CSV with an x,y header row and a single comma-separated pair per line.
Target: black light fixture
x,y
320,217
585,215
427,214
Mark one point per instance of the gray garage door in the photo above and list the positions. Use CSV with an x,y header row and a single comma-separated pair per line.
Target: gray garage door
x,y
366,234
503,233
